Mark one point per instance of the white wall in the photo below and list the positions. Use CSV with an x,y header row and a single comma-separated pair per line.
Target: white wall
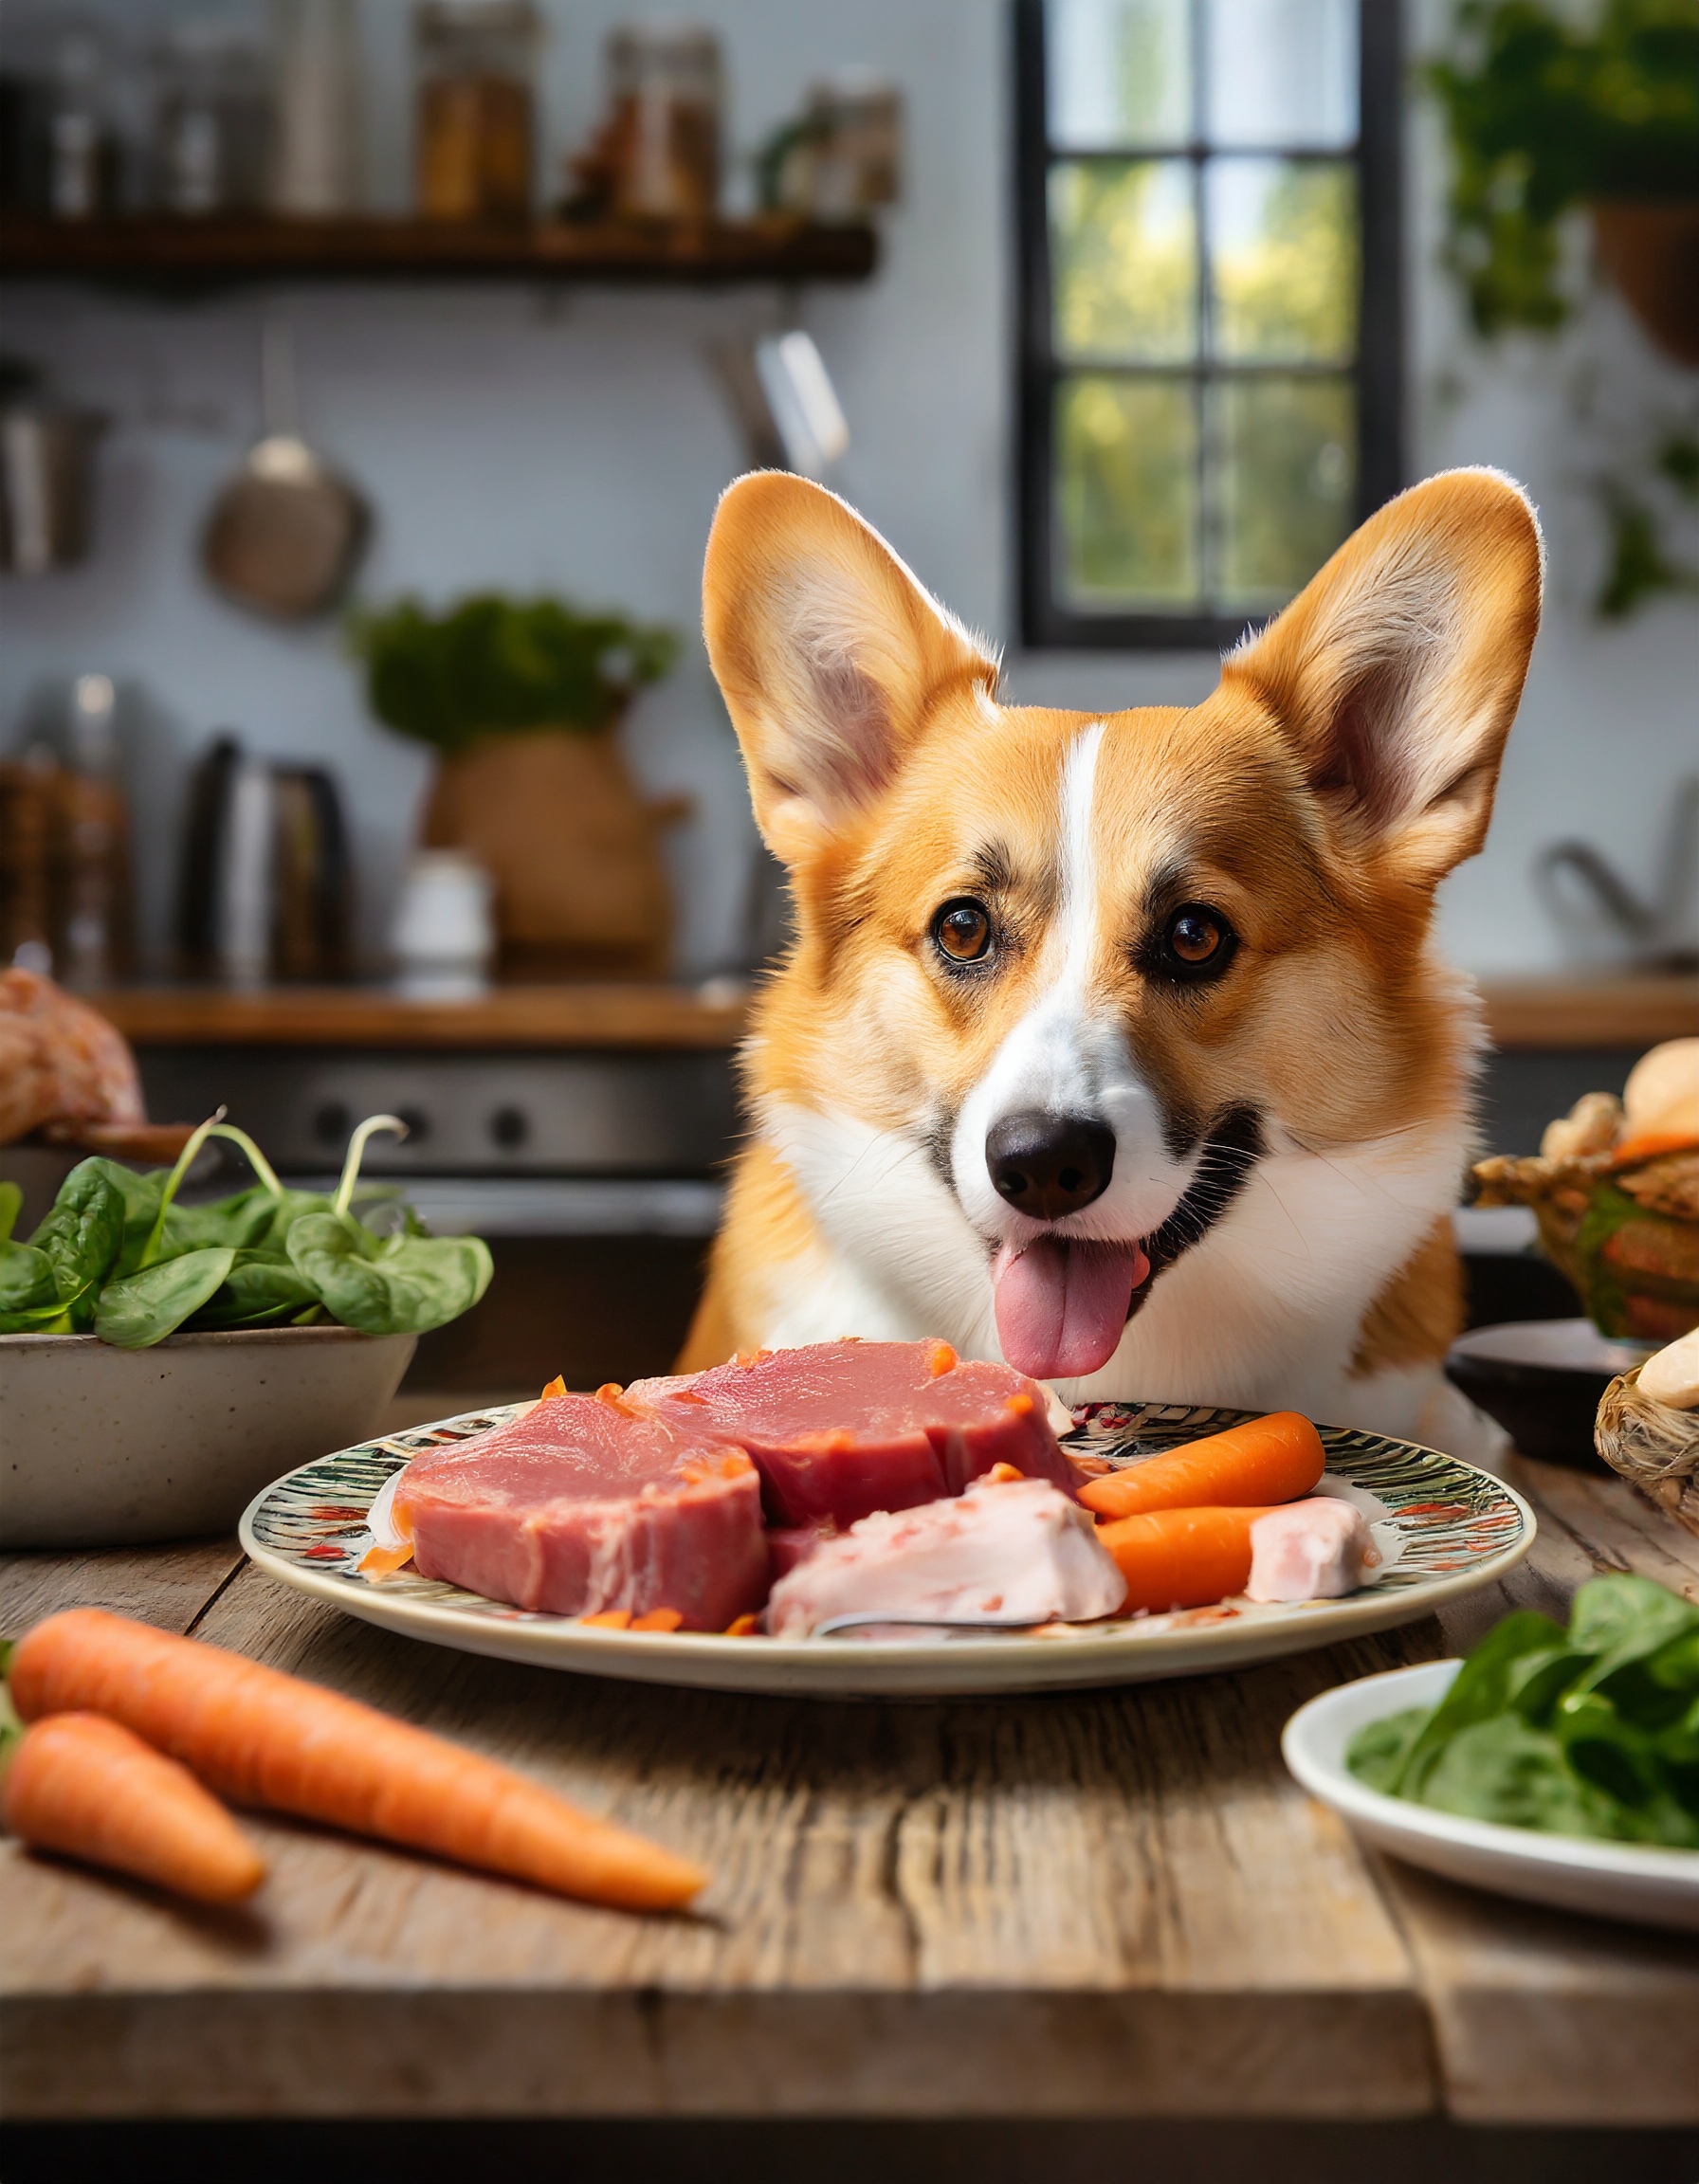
x,y
575,441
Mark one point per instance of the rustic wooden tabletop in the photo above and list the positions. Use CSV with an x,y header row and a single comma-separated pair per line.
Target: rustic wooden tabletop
x,y
1107,1904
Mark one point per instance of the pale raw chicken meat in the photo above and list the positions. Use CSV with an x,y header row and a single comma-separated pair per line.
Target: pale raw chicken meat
x,y
1315,1549
1006,1550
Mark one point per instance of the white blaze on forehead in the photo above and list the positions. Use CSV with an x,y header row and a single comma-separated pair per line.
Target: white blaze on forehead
x,y
1079,856
1068,1055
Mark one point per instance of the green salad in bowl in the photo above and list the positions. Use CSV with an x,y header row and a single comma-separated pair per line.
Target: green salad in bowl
x,y
1588,1731
118,1256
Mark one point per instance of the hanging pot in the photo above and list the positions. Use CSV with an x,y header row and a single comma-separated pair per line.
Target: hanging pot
x,y
556,821
1651,253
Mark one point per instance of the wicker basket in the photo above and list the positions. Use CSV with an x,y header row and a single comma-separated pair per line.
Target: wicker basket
x,y
1652,1444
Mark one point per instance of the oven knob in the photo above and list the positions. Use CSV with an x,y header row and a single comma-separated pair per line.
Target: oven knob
x,y
331,1123
418,1124
509,1127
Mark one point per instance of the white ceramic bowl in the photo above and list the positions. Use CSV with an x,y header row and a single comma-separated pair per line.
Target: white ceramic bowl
x,y
1610,1880
106,1447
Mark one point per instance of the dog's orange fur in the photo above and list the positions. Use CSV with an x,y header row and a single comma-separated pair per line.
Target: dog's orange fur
x,y
1305,797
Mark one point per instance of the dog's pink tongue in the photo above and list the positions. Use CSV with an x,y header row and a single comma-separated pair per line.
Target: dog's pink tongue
x,y
1061,1307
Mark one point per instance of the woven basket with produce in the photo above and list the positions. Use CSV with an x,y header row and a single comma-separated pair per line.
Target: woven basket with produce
x,y
1647,1428
1614,1189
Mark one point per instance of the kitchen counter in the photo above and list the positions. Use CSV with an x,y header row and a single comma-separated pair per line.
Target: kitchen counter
x,y
1521,1013
1098,1904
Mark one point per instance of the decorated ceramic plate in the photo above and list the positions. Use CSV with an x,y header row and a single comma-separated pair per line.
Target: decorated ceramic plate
x,y
1443,1528
1653,1888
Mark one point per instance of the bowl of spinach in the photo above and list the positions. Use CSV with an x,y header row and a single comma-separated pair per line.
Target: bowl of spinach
x,y
1559,1763
162,1360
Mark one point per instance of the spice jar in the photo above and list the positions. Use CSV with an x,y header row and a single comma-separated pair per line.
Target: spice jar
x,y
214,122
662,137
475,59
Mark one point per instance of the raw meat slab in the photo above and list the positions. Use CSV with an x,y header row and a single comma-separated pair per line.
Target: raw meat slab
x,y
840,1429
580,1508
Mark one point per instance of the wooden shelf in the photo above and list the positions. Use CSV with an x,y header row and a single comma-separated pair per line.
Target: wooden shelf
x,y
509,1016
1521,1013
215,252
1625,1011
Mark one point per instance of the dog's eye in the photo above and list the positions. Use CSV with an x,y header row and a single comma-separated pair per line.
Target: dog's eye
x,y
962,930
1198,943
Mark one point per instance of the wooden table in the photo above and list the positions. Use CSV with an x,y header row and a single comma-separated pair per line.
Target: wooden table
x,y
1109,1903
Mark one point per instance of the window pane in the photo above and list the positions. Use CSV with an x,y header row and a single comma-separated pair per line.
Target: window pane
x,y
1284,479
1282,260
1281,72
1118,72
1126,493
1123,260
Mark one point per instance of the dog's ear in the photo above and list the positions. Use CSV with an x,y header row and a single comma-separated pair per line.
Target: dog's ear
x,y
832,657
1397,672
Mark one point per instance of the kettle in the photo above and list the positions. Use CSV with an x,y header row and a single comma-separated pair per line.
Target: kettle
x,y
265,881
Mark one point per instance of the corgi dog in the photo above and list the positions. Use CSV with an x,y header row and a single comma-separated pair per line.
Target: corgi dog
x,y
1115,1045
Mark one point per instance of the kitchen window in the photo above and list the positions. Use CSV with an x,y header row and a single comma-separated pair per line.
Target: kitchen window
x,y
1210,306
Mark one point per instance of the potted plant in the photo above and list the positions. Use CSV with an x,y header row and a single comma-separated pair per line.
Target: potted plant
x,y
1551,111
520,700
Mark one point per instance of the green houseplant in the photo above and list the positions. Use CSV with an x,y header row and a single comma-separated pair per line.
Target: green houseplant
x,y
519,699
1550,111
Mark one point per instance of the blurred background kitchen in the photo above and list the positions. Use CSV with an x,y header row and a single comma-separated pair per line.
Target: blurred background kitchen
x,y
368,375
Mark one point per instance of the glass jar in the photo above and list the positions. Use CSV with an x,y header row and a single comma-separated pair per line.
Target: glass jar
x,y
213,133
475,123
663,84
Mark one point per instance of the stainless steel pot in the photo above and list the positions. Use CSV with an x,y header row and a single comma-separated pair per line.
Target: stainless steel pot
x,y
46,462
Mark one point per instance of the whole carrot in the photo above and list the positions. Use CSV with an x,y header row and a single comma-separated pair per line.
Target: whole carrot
x,y
1181,1558
1272,1459
262,1738
82,1784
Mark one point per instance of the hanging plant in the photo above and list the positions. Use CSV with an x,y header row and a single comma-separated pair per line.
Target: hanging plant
x,y
1545,116
1547,113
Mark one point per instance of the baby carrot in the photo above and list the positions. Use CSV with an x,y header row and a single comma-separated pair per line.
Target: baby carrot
x,y
1272,1459
261,1738
81,1784
1181,1558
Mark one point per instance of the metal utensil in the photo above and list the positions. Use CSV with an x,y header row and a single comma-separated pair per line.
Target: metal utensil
x,y
285,534
1598,910
46,455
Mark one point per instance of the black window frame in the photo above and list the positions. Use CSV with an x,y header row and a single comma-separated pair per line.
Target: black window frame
x,y
1046,623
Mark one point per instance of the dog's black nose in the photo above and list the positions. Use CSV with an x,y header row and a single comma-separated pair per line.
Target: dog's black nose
x,y
1049,1165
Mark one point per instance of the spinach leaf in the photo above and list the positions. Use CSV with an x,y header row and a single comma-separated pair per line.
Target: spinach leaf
x,y
1619,1610
258,1292
143,1308
81,1237
1481,1690
1377,1752
12,1204
1644,1625
1500,1768
401,1284
28,1295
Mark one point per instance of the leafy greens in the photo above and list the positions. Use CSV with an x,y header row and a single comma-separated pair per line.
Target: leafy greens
x,y
1590,1731
117,1254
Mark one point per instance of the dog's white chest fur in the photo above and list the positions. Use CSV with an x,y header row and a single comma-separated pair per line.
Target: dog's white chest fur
x,y
1263,1314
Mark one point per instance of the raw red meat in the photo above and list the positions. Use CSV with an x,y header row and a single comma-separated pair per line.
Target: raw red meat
x,y
839,1430
581,1506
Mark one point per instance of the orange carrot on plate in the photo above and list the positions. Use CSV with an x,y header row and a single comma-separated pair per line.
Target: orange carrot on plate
x,y
82,1785
1181,1558
261,1738
1274,1459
